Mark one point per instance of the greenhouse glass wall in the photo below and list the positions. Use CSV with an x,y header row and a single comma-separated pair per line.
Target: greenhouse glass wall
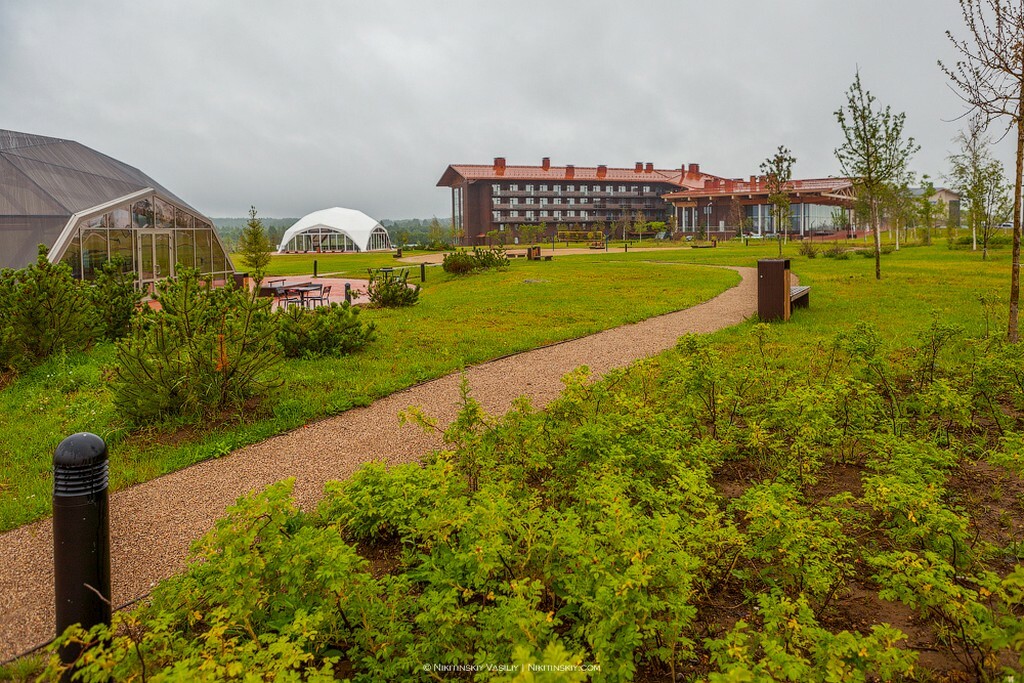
x,y
86,207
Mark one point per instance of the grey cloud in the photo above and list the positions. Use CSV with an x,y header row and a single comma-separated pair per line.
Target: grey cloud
x,y
298,106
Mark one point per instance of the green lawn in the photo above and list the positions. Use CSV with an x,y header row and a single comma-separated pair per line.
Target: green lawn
x,y
347,265
458,322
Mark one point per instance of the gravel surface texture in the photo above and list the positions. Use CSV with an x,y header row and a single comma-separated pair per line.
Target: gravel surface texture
x,y
152,524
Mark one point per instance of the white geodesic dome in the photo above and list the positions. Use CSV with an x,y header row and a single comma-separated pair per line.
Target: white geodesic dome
x,y
336,229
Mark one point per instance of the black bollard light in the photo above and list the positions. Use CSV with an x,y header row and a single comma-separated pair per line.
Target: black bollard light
x,y
348,292
626,245
423,272
81,535
314,268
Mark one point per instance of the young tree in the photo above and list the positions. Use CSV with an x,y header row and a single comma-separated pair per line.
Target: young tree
x,y
778,170
980,180
402,237
927,211
840,220
255,248
640,224
735,214
622,226
673,224
990,78
435,233
997,206
899,207
874,153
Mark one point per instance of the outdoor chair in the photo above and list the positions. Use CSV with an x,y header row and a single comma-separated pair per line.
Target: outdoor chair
x,y
322,299
290,297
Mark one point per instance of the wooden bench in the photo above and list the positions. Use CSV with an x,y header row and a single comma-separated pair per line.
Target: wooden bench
x,y
546,257
597,245
799,297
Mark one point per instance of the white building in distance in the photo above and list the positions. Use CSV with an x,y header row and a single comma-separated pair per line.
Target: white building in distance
x,y
335,230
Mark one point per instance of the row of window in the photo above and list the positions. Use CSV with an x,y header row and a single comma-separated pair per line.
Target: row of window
x,y
498,188
497,215
543,201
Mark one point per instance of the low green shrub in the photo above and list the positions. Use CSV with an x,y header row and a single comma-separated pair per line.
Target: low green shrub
x,y
204,350
607,529
333,330
391,289
462,261
836,251
994,242
459,262
808,249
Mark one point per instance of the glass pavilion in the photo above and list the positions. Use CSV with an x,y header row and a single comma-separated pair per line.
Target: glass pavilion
x,y
87,207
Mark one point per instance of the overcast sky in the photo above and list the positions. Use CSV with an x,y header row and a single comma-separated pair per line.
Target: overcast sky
x,y
298,106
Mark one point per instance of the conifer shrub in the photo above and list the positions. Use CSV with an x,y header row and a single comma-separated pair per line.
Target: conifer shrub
x,y
204,351
333,330
115,299
43,309
391,289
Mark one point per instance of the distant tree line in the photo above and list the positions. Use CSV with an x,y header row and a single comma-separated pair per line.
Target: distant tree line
x,y
230,230
432,233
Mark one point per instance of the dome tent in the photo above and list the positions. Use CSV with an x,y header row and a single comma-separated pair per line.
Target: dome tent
x,y
336,229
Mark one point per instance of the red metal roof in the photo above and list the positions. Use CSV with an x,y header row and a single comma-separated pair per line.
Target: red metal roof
x,y
588,174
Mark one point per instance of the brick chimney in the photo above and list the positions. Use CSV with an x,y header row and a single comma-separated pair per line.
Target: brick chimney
x,y
602,170
639,167
570,171
545,163
753,180
499,165
649,168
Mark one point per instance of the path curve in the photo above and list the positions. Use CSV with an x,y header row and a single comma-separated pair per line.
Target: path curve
x,y
152,524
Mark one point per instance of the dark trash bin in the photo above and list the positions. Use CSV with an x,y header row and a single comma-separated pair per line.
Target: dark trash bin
x,y
773,289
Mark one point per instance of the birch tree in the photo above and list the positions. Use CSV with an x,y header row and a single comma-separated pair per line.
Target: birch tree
x,y
874,154
778,170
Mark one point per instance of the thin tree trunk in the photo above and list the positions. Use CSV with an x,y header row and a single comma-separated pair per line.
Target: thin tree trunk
x,y
878,242
1015,258
897,237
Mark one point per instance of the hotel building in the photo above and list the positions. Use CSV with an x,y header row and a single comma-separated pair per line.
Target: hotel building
x,y
502,197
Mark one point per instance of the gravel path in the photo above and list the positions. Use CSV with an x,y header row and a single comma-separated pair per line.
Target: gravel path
x,y
152,524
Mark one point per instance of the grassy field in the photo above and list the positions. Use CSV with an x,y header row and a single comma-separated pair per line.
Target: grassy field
x,y
342,265
458,322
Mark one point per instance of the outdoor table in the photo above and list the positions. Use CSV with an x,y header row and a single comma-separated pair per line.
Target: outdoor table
x,y
279,288
303,290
